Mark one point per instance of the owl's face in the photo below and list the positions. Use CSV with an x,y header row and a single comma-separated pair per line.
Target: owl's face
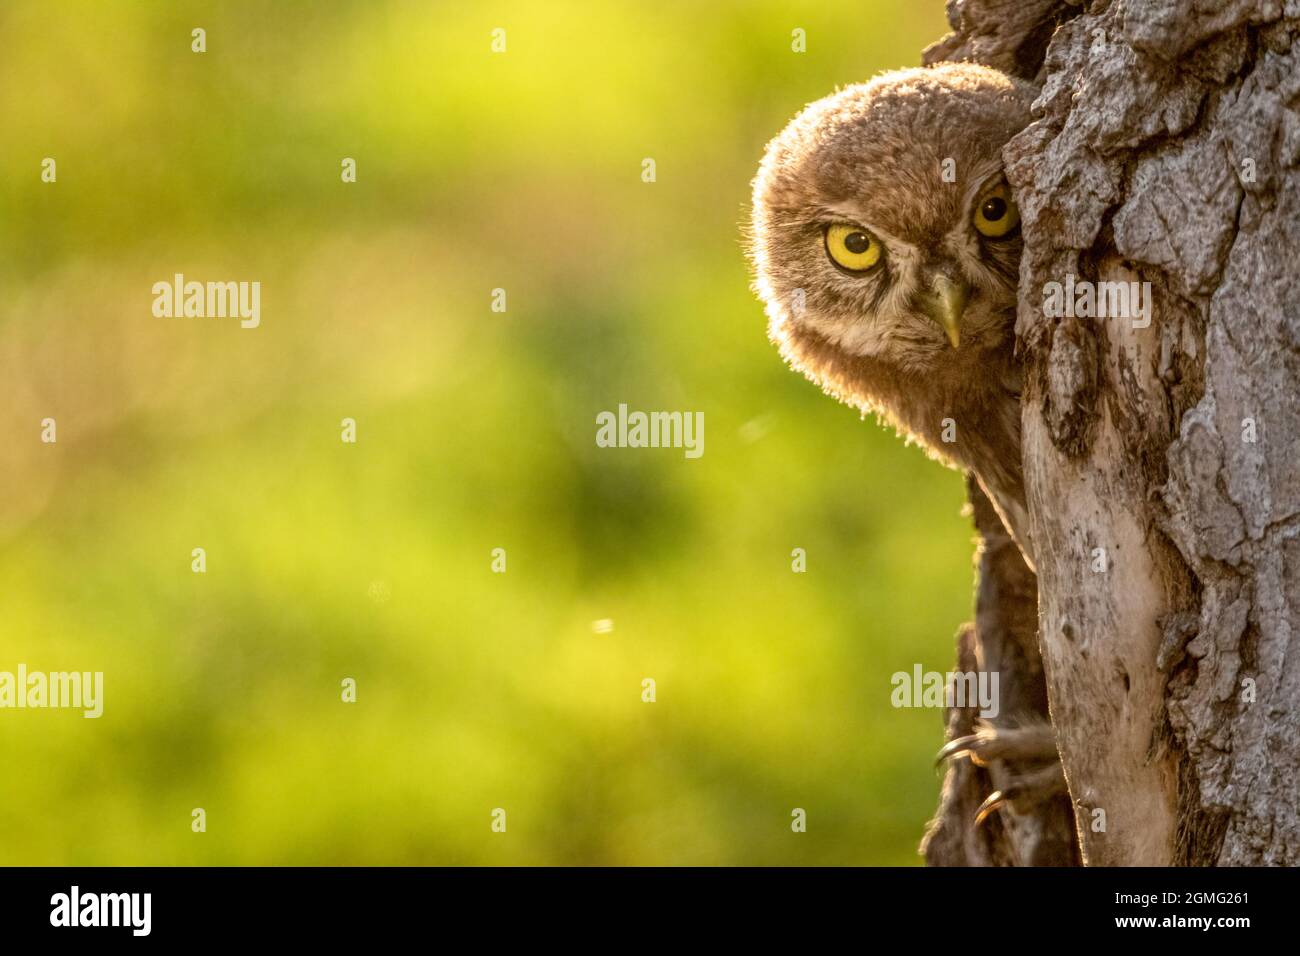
x,y
883,224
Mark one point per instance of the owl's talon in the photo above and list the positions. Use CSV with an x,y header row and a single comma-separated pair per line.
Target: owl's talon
x,y
958,747
992,802
1032,742
1025,791
1032,767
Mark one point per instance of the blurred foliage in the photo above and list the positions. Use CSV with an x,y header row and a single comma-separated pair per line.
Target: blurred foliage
x,y
476,431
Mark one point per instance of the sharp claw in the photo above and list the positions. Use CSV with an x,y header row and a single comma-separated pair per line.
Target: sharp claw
x,y
955,748
992,802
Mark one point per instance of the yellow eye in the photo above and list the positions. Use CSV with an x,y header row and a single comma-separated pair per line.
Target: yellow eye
x,y
997,216
852,248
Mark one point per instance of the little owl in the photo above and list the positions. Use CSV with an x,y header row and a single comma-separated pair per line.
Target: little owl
x,y
886,247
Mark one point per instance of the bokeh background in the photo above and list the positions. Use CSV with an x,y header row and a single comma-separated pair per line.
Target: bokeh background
x,y
475,431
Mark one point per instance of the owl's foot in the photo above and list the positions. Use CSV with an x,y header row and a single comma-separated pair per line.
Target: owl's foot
x,y
1034,741
1024,791
1028,753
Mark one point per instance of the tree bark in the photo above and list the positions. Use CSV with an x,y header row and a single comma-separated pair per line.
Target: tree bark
x,y
1162,461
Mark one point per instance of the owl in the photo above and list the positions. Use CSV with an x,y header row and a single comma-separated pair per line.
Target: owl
x,y
885,244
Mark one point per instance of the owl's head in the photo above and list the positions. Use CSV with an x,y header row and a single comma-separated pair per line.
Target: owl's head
x,y
883,227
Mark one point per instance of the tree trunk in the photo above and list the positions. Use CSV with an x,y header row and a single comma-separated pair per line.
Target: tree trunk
x,y
1162,460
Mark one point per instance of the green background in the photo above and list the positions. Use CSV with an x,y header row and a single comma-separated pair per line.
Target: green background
x,y
475,431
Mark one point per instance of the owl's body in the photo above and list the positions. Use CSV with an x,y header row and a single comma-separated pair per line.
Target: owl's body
x,y
886,248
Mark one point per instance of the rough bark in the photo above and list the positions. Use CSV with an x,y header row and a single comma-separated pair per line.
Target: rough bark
x,y
1163,462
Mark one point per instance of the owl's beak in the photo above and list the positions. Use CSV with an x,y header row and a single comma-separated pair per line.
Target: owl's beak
x,y
946,303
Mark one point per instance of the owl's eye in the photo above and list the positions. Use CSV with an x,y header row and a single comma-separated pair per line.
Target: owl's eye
x,y
997,216
852,248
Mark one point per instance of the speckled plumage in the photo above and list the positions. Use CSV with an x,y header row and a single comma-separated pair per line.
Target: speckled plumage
x,y
873,156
